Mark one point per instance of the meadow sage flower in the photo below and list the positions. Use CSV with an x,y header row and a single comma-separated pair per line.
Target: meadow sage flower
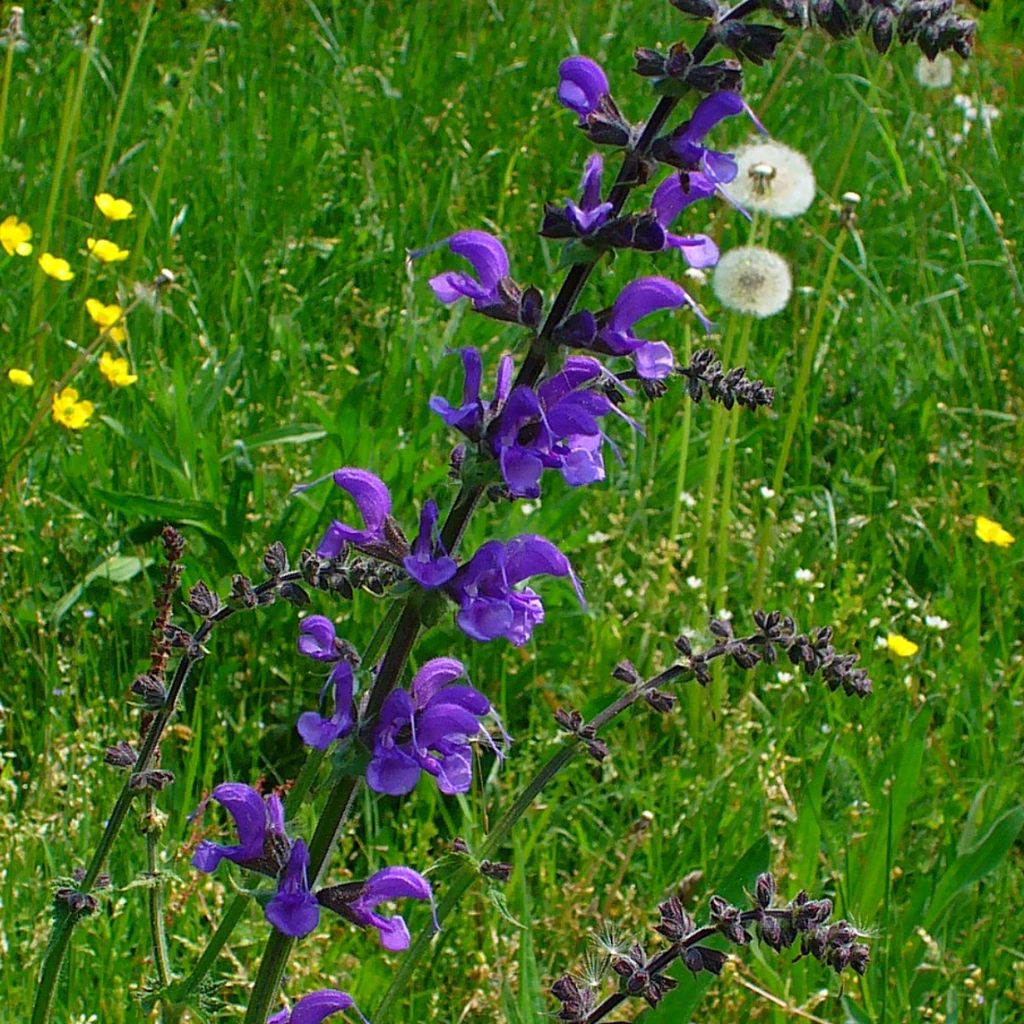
x,y
69,411
317,1007
772,179
294,910
428,728
374,503
318,640
259,821
901,646
428,562
669,200
581,85
685,144
111,208
20,378
752,279
115,369
106,251
484,588
988,531
103,315
320,733
14,236
55,267
358,901
469,417
591,214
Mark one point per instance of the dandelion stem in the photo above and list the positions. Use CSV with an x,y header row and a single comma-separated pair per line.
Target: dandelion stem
x,y
5,88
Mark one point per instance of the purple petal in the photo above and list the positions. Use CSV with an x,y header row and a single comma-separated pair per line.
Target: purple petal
x,y
582,83
396,883
318,1006
430,574
584,464
316,638
721,167
454,773
392,772
527,613
247,808
294,909
521,471
434,676
442,721
473,367
653,360
466,697
485,618
577,371
484,252
373,501
670,198
710,111
503,385
591,184
697,250
641,298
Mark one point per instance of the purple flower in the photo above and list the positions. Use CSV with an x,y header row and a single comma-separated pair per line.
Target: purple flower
x,y
555,427
358,902
581,85
669,200
653,359
316,1007
259,821
429,564
428,729
320,733
317,639
686,142
583,220
489,606
294,909
490,262
471,416
374,503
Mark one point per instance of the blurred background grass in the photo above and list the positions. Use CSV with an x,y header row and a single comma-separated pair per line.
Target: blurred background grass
x,y
281,159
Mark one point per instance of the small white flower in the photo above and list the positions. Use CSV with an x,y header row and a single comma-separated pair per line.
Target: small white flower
x,y
881,643
784,677
753,280
910,603
694,582
724,614
619,580
804,576
527,508
773,179
936,622
767,493
695,277
934,74
688,499
597,537
799,518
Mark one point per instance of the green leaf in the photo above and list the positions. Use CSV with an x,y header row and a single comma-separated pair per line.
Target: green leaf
x,y
115,569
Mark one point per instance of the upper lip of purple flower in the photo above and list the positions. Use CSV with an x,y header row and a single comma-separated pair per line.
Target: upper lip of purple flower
x,y
256,817
316,1007
591,212
686,141
372,499
316,638
581,84
470,417
319,732
489,261
429,564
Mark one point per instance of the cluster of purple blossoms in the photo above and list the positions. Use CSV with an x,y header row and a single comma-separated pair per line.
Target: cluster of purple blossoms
x,y
317,640
264,847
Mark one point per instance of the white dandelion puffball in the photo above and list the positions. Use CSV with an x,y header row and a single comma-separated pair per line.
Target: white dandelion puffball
x,y
773,179
934,74
752,279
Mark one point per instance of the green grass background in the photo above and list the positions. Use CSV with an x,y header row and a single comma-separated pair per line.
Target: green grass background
x,y
282,183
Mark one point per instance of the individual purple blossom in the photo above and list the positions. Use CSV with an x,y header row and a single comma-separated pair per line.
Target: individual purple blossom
x,y
294,910
358,901
258,820
470,417
317,639
429,729
554,427
653,359
582,220
429,564
484,588
320,733
374,503
686,142
669,200
490,263
316,1007
581,85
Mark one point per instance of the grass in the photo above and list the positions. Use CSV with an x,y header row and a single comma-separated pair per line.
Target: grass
x,y
280,169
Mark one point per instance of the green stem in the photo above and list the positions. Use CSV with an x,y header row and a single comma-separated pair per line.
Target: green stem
x,y
5,88
684,450
190,986
157,928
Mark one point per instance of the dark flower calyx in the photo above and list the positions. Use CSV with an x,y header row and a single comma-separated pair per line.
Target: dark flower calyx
x,y
721,75
243,594
728,920
697,8
764,890
120,755
294,594
703,958
275,559
203,601
626,672
676,923
81,903
606,126
151,689
660,702
757,43
496,870
155,779
577,1001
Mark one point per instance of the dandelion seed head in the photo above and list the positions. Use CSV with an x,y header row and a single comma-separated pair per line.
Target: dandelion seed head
x,y
934,74
751,279
772,179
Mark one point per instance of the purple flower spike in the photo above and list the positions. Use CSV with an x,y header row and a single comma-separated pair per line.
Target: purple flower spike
x,y
397,883
320,733
489,606
428,729
316,1008
490,262
581,84
686,142
429,564
294,910
374,503
257,818
316,639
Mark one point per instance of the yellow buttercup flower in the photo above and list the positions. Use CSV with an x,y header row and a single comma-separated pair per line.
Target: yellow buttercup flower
x,y
55,267
21,378
116,371
113,209
990,532
103,315
106,251
117,335
901,646
69,411
14,236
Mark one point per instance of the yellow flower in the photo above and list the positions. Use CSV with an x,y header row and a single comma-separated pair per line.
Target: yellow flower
x,y
113,209
106,251
116,371
990,532
105,316
116,334
69,411
22,378
14,236
901,646
55,267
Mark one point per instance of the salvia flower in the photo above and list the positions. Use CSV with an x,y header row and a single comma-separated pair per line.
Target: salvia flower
x,y
554,427
582,84
428,563
685,146
772,179
319,732
373,500
428,729
484,588
670,198
653,359
294,910
318,640
752,279
317,1007
358,901
471,417
583,220
15,236
259,820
